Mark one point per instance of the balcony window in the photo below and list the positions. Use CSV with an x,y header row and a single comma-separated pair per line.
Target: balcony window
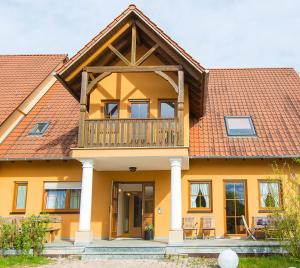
x,y
139,109
167,108
239,126
111,110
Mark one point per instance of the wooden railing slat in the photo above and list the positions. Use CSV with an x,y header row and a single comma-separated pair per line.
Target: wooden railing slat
x,y
131,133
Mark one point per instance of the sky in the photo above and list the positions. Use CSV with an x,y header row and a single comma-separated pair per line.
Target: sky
x,y
217,33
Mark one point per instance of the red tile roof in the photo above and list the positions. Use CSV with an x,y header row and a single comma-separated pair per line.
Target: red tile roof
x,y
131,8
271,96
20,75
58,108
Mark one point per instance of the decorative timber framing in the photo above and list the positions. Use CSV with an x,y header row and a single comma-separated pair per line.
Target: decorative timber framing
x,y
91,75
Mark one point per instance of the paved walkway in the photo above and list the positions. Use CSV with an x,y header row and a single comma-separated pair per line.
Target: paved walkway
x,y
179,262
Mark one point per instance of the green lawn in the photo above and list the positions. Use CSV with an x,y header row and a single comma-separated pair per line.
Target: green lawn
x,y
21,261
268,262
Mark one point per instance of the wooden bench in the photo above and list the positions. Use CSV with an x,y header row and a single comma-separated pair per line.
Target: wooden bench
x,y
52,230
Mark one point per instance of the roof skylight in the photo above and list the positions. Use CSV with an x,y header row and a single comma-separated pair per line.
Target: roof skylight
x,y
239,126
39,129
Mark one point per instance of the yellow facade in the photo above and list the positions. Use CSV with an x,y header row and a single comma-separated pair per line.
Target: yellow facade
x,y
38,172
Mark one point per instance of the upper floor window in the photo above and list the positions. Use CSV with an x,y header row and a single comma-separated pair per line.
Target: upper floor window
x,y
239,126
39,128
200,195
111,110
62,196
139,109
167,108
269,194
20,197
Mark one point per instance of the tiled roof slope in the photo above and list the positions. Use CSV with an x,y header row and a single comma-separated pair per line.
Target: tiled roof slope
x,y
58,108
270,95
20,75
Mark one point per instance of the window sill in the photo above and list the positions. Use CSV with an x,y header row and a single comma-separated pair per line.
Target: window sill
x,y
200,211
269,210
60,212
17,212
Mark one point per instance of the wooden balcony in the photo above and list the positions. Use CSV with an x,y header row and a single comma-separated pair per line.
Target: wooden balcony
x,y
146,133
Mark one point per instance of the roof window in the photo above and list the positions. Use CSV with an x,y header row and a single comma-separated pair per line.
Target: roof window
x,y
39,129
239,126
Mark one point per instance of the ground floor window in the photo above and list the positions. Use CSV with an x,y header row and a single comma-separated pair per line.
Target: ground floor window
x,y
200,195
62,196
20,197
269,194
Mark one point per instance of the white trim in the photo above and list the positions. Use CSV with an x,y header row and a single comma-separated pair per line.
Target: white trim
x,y
62,185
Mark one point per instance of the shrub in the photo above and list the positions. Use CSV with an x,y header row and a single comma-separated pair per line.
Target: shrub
x,y
23,235
287,219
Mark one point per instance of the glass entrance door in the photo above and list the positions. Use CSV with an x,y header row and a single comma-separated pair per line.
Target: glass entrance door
x,y
235,207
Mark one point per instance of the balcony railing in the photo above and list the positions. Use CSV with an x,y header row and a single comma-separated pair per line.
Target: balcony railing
x,y
132,133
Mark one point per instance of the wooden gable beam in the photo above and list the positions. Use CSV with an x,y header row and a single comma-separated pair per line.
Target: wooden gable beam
x,y
132,69
119,55
133,44
98,51
170,52
147,54
95,81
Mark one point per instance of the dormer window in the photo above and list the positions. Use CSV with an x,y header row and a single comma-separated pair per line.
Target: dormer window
x,y
239,126
39,129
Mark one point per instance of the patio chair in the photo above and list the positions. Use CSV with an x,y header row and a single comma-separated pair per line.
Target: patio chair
x,y
189,225
208,224
250,231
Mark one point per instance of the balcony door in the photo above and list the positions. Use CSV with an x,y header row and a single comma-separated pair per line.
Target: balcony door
x,y
235,207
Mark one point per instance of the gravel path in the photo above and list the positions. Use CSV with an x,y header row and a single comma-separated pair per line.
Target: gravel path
x,y
177,262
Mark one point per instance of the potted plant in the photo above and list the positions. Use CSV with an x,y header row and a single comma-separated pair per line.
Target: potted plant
x,y
148,232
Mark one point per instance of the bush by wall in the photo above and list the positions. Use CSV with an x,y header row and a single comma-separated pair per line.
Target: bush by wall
x,y
23,234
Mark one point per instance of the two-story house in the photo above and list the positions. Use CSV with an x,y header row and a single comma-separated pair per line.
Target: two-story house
x,y
133,131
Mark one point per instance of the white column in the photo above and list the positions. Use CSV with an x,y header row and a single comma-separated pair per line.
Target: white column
x,y
84,235
176,234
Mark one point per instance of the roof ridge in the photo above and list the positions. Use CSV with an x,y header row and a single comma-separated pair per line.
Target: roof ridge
x,y
249,68
32,55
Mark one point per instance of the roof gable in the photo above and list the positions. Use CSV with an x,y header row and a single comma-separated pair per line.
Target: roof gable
x,y
117,34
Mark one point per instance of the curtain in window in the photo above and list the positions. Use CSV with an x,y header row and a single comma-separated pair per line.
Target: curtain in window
x,y
274,190
56,199
264,189
195,188
21,197
75,199
205,192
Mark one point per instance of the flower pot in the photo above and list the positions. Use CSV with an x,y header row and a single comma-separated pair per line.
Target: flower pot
x,y
148,235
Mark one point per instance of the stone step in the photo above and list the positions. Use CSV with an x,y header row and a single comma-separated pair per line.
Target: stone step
x,y
125,250
117,255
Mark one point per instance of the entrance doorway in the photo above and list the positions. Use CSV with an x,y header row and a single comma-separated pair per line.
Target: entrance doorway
x,y
132,208
235,207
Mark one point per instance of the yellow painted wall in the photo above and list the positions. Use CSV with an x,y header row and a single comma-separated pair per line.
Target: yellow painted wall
x,y
216,170
126,86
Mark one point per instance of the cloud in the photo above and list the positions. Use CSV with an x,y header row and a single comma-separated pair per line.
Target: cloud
x,y
218,33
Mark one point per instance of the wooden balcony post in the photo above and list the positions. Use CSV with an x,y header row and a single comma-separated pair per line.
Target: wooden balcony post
x,y
83,97
180,108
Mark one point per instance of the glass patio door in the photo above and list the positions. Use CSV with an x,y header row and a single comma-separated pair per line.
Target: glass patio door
x,y
235,207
